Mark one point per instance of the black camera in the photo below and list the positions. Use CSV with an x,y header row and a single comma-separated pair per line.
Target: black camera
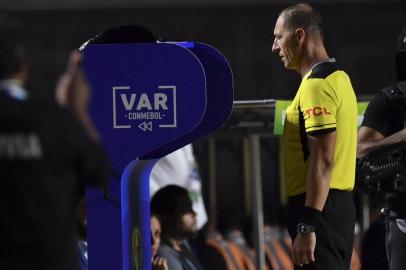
x,y
383,169
382,173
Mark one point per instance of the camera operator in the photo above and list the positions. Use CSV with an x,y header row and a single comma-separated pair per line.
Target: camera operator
x,y
385,123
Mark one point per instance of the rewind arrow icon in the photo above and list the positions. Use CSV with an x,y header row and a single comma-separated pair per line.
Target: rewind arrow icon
x,y
145,126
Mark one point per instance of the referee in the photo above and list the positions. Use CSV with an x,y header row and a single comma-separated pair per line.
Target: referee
x,y
319,145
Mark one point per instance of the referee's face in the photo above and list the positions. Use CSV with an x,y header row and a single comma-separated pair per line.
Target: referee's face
x,y
286,45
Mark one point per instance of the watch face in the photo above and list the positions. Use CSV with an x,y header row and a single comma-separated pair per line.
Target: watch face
x,y
302,228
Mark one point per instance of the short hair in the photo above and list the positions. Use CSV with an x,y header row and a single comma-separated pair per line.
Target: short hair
x,y
12,49
169,200
303,16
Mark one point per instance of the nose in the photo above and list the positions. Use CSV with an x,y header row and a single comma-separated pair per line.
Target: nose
x,y
275,45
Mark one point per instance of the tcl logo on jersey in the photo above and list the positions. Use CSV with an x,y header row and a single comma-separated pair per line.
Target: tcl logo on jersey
x,y
317,111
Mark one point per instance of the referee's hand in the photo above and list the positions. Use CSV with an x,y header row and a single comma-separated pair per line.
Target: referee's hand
x,y
303,249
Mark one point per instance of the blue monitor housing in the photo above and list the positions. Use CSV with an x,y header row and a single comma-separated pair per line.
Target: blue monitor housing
x,y
149,99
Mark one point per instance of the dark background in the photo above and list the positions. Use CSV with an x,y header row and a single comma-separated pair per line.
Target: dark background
x,y
360,34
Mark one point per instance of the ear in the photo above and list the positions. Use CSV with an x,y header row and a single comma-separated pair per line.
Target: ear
x,y
300,35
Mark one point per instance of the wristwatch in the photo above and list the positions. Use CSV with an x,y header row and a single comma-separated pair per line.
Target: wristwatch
x,y
303,228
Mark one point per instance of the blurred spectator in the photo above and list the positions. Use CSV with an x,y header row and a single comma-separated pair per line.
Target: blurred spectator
x,y
231,223
218,250
173,205
180,168
46,153
158,263
277,247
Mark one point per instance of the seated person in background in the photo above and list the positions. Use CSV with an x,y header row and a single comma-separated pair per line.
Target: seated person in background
x,y
180,168
277,247
231,223
158,263
173,205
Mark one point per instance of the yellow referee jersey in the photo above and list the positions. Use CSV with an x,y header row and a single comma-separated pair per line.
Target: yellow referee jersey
x,y
325,102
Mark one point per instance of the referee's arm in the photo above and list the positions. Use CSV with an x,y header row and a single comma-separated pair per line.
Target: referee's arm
x,y
321,162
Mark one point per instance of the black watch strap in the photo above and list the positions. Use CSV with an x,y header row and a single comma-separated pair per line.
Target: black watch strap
x,y
303,228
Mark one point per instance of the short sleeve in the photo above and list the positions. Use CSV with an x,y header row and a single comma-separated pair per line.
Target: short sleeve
x,y
376,115
319,105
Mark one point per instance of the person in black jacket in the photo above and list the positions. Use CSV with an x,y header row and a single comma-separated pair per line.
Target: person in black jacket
x,y
47,151
385,123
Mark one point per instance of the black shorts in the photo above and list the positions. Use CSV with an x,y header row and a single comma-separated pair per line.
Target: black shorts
x,y
335,231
